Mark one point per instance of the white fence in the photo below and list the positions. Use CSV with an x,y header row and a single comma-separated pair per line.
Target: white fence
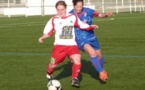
x,y
47,7
118,5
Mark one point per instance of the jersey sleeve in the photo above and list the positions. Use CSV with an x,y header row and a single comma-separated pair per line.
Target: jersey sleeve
x,y
49,27
82,25
93,12
96,14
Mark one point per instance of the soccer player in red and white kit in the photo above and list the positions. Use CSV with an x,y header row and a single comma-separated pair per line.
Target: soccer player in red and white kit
x,y
64,45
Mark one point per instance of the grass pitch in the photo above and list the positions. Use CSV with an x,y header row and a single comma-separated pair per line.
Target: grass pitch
x,y
23,61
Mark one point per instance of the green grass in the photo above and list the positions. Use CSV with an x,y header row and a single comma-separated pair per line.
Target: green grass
x,y
23,61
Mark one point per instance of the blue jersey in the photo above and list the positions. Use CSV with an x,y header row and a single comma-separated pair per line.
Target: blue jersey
x,y
82,36
86,16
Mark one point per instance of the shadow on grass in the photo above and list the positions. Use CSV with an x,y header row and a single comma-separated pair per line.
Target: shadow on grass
x,y
87,68
66,70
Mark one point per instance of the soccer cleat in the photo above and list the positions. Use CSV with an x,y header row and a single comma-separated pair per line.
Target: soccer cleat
x,y
75,82
103,75
49,77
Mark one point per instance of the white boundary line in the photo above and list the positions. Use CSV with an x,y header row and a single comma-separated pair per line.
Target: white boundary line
x,y
48,54
108,19
111,19
43,23
130,17
22,24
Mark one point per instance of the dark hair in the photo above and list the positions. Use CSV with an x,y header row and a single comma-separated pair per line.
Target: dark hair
x,y
61,3
76,1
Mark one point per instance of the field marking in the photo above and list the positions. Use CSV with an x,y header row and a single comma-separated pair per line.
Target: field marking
x,y
48,54
115,18
24,54
22,24
130,17
43,23
107,19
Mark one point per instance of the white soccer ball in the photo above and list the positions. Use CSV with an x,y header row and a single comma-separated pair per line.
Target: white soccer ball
x,y
54,85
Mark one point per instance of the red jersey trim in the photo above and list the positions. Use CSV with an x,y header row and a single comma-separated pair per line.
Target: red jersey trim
x,y
64,17
52,30
96,14
77,25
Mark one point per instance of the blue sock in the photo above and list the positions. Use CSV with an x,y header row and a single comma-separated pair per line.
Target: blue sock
x,y
96,62
102,62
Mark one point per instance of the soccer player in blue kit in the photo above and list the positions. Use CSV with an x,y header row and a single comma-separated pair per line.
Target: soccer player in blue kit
x,y
87,40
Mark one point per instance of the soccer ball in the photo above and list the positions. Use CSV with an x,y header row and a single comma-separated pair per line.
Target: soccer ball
x,y
54,85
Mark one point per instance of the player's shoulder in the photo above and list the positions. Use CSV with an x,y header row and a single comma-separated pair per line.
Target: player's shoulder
x,y
55,16
70,15
71,11
87,8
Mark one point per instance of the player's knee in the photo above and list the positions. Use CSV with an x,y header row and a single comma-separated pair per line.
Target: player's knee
x,y
93,53
76,59
99,56
98,52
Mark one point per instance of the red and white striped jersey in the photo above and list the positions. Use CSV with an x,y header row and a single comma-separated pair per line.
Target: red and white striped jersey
x,y
64,29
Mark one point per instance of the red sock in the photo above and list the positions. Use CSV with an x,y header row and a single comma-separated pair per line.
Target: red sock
x,y
76,70
50,69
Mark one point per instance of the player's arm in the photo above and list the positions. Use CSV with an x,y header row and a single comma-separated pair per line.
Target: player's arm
x,y
43,37
102,15
48,30
84,26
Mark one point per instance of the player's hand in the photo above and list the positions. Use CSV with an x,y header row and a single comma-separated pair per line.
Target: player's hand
x,y
95,26
109,14
40,40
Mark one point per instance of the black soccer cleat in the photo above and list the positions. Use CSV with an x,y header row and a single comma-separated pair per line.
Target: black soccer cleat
x,y
75,82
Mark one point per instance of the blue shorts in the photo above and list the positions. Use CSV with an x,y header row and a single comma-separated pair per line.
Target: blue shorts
x,y
93,42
